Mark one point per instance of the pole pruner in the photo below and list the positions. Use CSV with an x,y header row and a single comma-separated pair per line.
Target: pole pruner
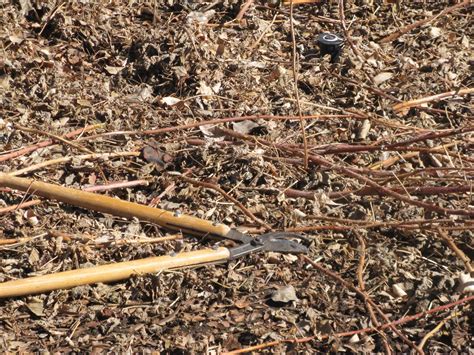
x,y
280,242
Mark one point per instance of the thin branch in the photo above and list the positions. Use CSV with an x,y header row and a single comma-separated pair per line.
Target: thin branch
x,y
459,253
343,148
54,137
354,332
352,172
217,188
68,237
298,2
393,36
51,162
243,10
154,202
21,205
364,296
445,95
342,18
223,120
436,329
295,84
360,278
430,172
433,135
404,226
116,185
370,191
43,144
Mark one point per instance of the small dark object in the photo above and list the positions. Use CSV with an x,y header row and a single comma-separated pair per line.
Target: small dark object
x,y
330,44
152,153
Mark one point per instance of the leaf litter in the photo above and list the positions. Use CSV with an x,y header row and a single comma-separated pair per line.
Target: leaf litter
x,y
137,67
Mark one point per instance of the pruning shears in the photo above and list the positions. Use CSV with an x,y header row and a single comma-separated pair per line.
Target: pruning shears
x,y
273,241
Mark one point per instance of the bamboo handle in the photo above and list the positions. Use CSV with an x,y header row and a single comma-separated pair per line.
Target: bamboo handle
x,y
114,206
109,273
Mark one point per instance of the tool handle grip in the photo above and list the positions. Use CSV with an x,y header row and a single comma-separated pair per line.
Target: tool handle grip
x,y
114,206
109,272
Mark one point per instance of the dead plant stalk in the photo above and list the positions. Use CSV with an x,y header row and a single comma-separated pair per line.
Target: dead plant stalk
x,y
352,172
393,36
295,83
360,278
458,252
54,137
403,320
46,143
445,95
218,189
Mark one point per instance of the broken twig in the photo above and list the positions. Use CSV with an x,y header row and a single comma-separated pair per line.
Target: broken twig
x,y
296,89
393,36
43,144
403,320
445,95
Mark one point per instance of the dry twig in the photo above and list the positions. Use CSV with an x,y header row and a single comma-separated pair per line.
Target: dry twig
x,y
370,191
365,297
223,120
360,278
54,137
445,95
352,172
68,159
436,329
43,144
393,36
342,19
296,90
21,205
243,10
459,253
217,188
299,2
403,320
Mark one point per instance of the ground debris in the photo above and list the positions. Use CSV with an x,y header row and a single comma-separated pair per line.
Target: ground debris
x,y
160,86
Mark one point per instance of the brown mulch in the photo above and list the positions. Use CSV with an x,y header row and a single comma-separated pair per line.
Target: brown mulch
x,y
132,69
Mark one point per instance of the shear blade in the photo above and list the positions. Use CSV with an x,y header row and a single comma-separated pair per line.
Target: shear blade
x,y
278,242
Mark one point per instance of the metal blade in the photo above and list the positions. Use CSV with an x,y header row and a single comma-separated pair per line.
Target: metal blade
x,y
275,241
279,242
237,236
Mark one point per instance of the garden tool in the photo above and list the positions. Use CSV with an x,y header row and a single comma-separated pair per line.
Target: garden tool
x,y
273,241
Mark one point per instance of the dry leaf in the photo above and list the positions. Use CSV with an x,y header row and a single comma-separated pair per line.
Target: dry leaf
x,y
170,101
36,307
113,70
435,32
244,127
284,294
382,77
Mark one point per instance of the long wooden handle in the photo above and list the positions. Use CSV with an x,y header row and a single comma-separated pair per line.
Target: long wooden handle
x,y
114,206
109,273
